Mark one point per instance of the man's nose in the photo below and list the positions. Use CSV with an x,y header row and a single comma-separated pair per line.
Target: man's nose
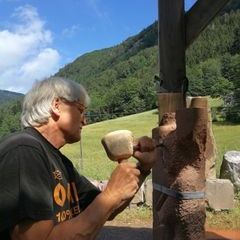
x,y
84,120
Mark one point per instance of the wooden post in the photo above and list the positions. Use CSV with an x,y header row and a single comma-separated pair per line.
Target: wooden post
x,y
182,135
169,102
172,45
199,16
179,171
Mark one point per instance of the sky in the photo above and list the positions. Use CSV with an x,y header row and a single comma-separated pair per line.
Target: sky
x,y
38,37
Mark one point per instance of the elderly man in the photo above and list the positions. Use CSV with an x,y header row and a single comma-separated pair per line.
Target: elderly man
x,y
42,196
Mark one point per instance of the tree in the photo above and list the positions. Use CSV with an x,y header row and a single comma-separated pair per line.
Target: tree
x,y
231,69
206,79
10,117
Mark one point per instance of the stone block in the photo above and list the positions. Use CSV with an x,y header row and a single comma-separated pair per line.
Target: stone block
x,y
219,194
138,198
148,192
230,168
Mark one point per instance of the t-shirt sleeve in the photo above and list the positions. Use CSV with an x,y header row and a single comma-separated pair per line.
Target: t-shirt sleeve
x,y
87,192
25,187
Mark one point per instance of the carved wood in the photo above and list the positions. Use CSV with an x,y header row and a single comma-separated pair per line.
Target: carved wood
x,y
183,133
180,166
211,150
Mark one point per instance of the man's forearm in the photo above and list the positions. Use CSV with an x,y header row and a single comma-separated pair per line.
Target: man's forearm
x,y
126,203
123,184
88,224
83,227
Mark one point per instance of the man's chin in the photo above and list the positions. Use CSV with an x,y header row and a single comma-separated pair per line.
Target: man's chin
x,y
74,139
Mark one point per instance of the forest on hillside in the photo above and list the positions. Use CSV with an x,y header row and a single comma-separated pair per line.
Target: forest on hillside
x,y
121,79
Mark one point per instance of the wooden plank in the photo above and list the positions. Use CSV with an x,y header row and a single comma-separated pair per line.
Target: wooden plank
x,y
169,102
200,15
172,44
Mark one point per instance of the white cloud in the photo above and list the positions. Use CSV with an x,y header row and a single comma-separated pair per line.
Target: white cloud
x,y
71,31
25,53
41,64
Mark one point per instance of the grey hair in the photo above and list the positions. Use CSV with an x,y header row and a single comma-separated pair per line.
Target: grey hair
x,y
37,103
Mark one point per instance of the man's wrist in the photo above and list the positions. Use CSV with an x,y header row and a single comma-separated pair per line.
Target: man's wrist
x,y
111,198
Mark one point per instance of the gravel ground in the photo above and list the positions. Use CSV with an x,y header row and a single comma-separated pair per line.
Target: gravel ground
x,y
144,232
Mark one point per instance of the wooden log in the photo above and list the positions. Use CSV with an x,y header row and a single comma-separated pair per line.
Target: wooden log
x,y
211,149
200,15
172,44
180,167
167,102
170,102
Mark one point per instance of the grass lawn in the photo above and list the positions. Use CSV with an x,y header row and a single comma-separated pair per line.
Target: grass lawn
x,y
94,163
227,139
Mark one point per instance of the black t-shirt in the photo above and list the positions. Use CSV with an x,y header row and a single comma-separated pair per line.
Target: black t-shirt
x,y
37,182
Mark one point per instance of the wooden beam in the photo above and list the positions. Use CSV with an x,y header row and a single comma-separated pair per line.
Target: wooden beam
x,y
172,44
200,15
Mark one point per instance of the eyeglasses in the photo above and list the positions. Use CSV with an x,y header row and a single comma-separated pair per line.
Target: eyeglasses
x,y
80,107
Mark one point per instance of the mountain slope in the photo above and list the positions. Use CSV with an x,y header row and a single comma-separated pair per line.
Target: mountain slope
x,y
120,79
85,68
6,96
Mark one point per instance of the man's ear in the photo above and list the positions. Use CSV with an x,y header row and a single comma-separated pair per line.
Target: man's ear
x,y
56,107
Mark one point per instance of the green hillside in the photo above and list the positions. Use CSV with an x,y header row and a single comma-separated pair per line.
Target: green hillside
x,y
120,79
6,96
10,116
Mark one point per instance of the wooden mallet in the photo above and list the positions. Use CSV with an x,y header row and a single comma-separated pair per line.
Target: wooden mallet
x,y
119,145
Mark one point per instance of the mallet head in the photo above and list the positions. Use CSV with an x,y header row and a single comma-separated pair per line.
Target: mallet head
x,y
118,145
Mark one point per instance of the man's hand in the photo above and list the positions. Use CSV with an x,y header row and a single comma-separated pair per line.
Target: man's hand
x,y
130,180
123,183
144,152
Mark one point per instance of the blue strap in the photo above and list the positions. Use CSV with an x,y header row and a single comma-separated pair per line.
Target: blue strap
x,y
179,195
